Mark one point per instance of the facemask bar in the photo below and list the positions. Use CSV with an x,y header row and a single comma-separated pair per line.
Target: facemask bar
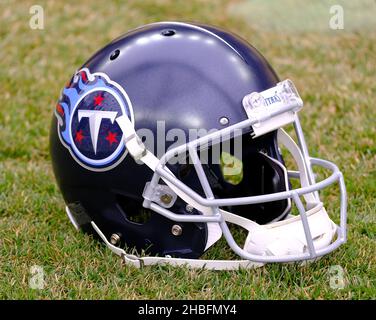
x,y
305,153
216,216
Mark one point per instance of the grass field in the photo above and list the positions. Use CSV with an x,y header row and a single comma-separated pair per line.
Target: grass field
x,y
334,70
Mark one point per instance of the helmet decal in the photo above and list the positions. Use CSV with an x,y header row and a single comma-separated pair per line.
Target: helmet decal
x,y
86,112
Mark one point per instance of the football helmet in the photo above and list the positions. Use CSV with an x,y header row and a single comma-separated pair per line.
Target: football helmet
x,y
173,132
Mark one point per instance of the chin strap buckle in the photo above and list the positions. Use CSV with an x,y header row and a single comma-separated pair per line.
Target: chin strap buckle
x,y
132,260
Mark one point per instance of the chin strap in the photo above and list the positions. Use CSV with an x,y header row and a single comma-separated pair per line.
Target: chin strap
x,y
274,239
192,263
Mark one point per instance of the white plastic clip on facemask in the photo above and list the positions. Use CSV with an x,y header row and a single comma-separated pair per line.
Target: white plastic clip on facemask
x,y
272,108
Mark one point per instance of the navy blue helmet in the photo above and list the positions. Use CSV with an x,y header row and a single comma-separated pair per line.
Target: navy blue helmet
x,y
130,133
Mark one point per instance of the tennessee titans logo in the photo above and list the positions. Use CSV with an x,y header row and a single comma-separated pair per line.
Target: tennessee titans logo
x,y
87,113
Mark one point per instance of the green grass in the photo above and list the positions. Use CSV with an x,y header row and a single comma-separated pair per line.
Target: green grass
x,y
333,70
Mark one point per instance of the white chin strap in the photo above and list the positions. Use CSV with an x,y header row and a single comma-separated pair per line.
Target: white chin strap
x,y
274,239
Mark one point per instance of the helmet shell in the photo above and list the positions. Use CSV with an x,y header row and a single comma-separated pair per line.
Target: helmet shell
x,y
186,76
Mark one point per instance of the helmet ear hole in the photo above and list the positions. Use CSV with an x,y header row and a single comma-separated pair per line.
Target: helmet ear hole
x,y
142,217
133,211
